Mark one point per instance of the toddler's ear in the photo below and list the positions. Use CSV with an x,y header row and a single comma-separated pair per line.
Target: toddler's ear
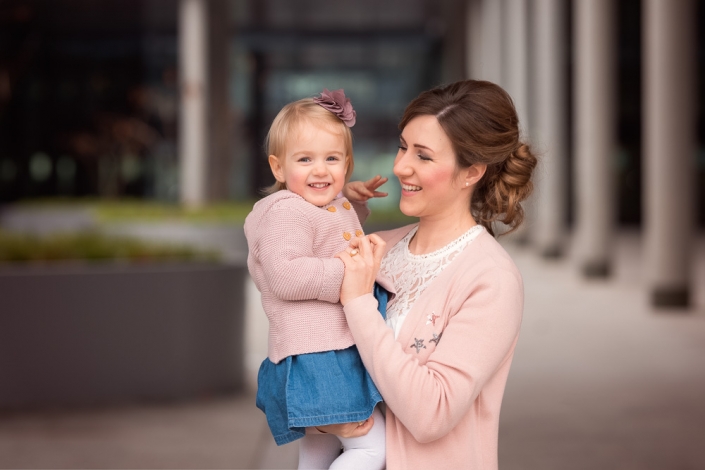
x,y
277,168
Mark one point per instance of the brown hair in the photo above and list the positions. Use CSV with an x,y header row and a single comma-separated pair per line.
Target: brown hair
x,y
287,122
480,120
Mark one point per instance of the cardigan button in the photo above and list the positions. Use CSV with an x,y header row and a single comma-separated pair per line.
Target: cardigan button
x,y
347,205
331,209
347,236
358,233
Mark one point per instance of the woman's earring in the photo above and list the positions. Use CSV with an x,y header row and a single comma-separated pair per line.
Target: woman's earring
x,y
467,184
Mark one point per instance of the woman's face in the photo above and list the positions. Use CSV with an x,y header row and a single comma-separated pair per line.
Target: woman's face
x,y
431,185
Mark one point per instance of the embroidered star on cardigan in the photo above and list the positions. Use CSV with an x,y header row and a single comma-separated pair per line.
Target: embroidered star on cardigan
x,y
418,344
436,338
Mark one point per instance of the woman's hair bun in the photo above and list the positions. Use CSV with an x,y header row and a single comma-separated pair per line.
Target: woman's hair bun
x,y
505,187
518,168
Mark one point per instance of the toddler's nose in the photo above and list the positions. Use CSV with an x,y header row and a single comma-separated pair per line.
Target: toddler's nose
x,y
320,169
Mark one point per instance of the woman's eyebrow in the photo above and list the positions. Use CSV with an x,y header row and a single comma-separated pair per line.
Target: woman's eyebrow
x,y
416,145
423,147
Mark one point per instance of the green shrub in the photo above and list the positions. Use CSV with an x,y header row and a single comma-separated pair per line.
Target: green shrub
x,y
91,246
137,210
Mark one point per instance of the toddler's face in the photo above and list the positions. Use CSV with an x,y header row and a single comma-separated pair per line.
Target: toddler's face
x,y
314,164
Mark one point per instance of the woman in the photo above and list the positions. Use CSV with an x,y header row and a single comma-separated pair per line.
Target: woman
x,y
442,357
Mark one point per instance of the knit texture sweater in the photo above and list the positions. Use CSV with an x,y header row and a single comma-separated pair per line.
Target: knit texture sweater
x,y
444,376
292,245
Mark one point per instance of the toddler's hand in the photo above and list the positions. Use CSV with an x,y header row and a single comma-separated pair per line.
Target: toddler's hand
x,y
361,191
348,429
362,263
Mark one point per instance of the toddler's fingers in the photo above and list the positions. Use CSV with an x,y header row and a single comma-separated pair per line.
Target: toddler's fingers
x,y
355,242
364,428
365,247
378,246
376,182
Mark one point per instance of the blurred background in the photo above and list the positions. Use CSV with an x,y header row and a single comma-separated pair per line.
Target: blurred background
x,y
131,138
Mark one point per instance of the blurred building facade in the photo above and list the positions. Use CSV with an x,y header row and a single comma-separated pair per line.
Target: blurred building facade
x,y
171,100
90,92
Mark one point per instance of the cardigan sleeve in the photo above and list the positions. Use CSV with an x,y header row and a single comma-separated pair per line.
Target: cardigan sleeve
x,y
362,211
290,269
430,399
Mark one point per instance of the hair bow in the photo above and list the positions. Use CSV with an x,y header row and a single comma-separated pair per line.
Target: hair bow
x,y
337,103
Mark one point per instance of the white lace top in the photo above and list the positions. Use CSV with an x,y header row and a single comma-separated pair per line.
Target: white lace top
x,y
412,274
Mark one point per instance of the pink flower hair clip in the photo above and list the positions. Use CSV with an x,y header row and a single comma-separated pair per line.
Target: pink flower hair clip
x,y
336,102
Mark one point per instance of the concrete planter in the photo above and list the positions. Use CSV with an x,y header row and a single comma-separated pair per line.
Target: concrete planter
x,y
109,333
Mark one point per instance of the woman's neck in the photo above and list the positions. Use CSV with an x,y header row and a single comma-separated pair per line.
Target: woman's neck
x,y
436,232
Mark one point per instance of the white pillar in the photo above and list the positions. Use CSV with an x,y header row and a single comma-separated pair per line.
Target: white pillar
x,y
669,146
193,67
491,41
594,133
550,125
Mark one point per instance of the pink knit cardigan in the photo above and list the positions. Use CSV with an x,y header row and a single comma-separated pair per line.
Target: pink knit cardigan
x,y
292,245
444,376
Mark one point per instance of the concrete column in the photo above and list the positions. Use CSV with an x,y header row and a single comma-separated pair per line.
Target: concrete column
x,y
453,55
219,114
550,126
473,38
594,134
515,65
193,118
492,41
515,78
669,146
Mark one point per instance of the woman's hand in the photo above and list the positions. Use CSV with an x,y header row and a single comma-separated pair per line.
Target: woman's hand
x,y
361,191
348,429
362,263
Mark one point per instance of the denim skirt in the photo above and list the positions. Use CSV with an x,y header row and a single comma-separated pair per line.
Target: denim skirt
x,y
316,389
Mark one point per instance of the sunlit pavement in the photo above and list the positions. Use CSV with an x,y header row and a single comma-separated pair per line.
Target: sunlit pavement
x,y
600,380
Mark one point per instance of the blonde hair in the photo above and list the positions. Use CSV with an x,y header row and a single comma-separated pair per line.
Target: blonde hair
x,y
287,122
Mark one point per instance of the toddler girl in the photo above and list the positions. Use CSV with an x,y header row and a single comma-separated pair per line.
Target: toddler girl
x,y
313,375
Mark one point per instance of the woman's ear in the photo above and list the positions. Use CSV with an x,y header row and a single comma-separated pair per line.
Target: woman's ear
x,y
277,168
474,174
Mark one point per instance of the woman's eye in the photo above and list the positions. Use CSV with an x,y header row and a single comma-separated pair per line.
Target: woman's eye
x,y
402,148
423,157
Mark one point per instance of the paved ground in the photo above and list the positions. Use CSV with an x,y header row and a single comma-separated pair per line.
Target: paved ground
x,y
600,381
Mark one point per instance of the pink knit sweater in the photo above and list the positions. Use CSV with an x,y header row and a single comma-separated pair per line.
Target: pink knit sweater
x,y
444,376
292,245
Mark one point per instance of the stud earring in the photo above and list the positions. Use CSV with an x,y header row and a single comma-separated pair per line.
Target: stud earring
x,y
467,184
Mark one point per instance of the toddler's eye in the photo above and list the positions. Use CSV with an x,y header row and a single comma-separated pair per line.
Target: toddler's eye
x,y
304,159
332,158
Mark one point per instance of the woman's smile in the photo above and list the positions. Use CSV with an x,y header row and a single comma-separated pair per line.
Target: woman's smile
x,y
410,188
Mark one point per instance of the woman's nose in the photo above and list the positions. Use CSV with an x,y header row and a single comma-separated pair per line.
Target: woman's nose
x,y
401,166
